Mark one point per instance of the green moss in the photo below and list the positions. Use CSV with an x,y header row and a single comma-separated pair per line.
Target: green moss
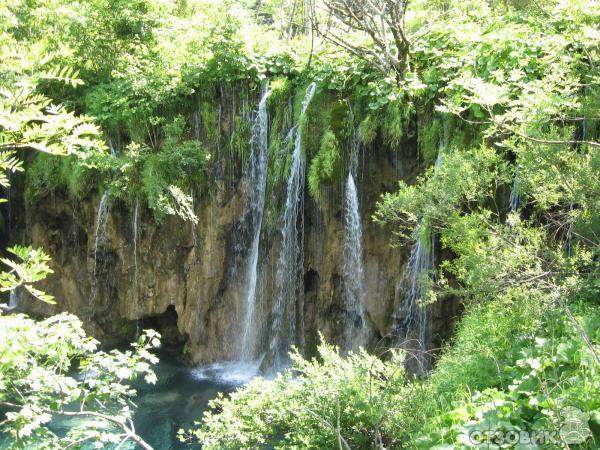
x,y
281,122
394,123
325,167
430,134
368,129
240,136
340,120
81,180
138,172
48,173
209,120
279,93
43,177
314,122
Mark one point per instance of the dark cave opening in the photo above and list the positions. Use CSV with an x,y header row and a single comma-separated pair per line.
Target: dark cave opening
x,y
166,325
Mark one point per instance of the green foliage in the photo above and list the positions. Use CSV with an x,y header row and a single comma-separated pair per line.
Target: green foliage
x,y
28,119
483,344
164,178
507,91
9,163
430,136
464,179
51,369
47,173
368,130
31,266
518,357
537,381
178,168
325,166
350,402
280,90
394,123
209,120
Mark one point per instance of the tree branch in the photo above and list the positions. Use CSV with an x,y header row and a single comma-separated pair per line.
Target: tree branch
x,y
129,431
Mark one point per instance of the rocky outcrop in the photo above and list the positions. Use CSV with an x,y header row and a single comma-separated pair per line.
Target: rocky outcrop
x,y
183,279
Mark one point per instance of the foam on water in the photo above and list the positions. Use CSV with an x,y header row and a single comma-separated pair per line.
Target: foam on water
x,y
230,372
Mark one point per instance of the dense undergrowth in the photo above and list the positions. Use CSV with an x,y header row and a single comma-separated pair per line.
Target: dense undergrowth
x,y
505,96
508,371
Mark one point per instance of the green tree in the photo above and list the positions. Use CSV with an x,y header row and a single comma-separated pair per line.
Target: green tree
x,y
50,368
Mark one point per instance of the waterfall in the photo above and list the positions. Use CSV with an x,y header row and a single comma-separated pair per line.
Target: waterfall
x,y
257,181
14,299
99,240
420,265
354,328
291,255
135,269
111,147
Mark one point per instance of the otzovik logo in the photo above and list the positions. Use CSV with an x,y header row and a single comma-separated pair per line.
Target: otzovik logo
x,y
575,428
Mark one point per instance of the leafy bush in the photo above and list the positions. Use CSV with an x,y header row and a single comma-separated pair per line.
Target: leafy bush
x,y
48,173
540,378
52,369
165,178
486,337
176,169
347,402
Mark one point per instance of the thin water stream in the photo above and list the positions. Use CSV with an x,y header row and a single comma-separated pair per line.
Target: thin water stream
x,y
257,180
354,326
99,241
291,255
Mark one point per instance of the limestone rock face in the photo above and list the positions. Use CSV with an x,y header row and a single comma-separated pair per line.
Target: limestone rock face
x,y
183,278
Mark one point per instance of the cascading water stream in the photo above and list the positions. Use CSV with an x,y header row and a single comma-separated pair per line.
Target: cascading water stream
x,y
291,255
14,300
420,264
135,270
111,147
99,240
257,180
354,326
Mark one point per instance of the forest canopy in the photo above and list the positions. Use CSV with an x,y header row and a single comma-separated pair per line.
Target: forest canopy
x,y
149,101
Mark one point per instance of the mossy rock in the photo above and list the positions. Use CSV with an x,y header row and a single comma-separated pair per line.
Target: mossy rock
x,y
325,167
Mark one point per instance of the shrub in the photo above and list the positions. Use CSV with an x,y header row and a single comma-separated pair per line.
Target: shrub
x,y
333,402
